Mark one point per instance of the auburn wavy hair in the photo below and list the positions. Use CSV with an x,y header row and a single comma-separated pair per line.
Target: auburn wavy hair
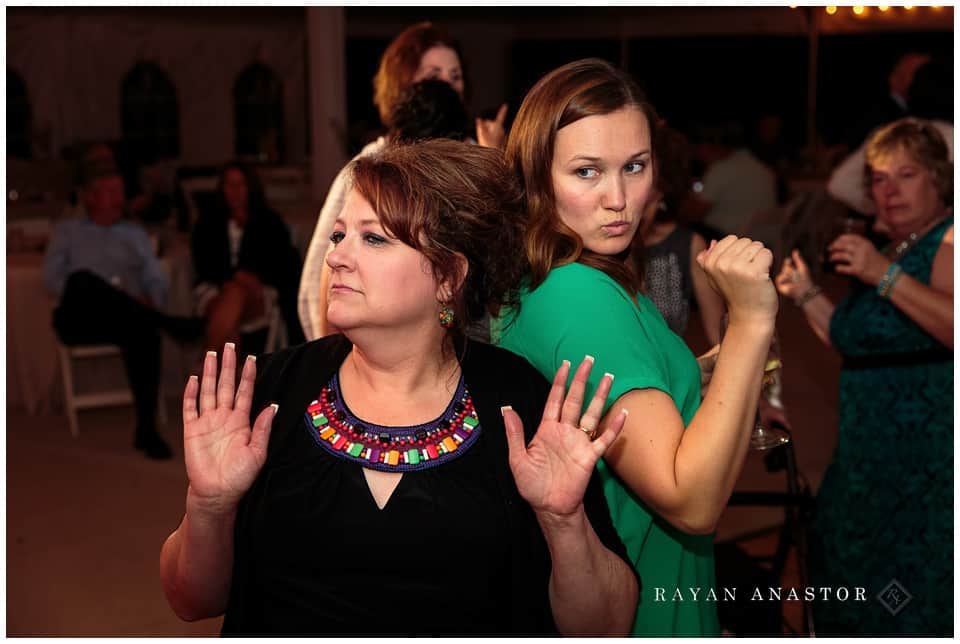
x,y
400,62
445,198
567,94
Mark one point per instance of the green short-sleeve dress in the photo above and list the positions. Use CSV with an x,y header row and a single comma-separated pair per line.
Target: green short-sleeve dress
x,y
578,311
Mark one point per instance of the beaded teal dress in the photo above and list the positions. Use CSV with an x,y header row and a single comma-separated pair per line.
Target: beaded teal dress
x,y
884,517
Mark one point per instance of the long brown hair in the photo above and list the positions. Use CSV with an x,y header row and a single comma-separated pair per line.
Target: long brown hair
x,y
400,62
444,198
567,94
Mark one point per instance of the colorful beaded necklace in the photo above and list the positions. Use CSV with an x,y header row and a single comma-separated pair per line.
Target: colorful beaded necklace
x,y
392,449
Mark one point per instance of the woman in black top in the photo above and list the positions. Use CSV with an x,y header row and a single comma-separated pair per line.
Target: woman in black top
x,y
396,484
239,246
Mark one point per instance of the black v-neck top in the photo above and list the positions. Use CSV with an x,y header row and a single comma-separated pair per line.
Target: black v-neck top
x,y
455,550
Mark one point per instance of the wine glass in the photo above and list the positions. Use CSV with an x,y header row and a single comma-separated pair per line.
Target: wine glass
x,y
764,438
846,225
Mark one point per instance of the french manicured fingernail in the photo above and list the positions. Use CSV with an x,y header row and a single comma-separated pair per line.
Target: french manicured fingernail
x,y
212,353
192,377
251,358
590,358
505,409
230,344
275,408
565,363
625,411
608,374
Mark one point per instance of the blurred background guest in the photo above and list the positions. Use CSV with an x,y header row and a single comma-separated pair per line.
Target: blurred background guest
x,y
769,144
673,278
240,246
884,509
429,109
930,99
110,286
735,184
895,104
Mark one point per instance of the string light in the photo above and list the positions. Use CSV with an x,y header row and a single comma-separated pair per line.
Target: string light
x,y
858,10
883,7
908,7
831,9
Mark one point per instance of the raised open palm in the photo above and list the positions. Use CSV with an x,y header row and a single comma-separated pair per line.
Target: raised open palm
x,y
223,455
552,472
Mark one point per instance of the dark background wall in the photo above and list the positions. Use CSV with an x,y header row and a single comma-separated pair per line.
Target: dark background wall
x,y
695,62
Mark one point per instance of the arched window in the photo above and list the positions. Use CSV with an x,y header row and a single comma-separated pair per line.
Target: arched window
x,y
258,114
18,116
149,114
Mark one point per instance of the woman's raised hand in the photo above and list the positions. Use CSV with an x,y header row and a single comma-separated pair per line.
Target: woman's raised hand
x,y
739,269
794,279
552,472
857,256
490,132
223,455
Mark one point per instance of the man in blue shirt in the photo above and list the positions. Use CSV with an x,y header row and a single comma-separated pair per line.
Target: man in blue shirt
x,y
110,287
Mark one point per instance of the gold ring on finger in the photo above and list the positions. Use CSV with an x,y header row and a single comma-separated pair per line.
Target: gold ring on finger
x,y
588,432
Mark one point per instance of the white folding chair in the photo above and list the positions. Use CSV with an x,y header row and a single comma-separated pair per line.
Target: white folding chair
x,y
75,401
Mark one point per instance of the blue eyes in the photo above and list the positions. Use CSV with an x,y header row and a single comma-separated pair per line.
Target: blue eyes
x,y
589,172
370,238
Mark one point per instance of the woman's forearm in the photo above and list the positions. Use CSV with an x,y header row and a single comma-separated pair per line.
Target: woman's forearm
x,y
686,475
713,447
196,562
592,590
818,311
930,309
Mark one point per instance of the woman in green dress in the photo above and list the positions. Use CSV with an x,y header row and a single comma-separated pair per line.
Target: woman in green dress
x,y
884,518
582,147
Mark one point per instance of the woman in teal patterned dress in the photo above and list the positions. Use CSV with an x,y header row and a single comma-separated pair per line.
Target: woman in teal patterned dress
x,y
884,518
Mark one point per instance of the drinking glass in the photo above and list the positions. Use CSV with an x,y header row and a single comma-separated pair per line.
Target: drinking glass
x,y
845,225
764,438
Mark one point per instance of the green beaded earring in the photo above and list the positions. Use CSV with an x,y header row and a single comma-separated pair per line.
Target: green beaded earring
x,y
447,317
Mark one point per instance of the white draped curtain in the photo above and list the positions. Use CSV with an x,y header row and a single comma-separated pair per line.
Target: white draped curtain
x,y
73,63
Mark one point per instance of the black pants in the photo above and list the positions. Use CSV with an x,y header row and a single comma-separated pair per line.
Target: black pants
x,y
91,311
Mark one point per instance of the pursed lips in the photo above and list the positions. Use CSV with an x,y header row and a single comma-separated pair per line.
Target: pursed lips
x,y
617,227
